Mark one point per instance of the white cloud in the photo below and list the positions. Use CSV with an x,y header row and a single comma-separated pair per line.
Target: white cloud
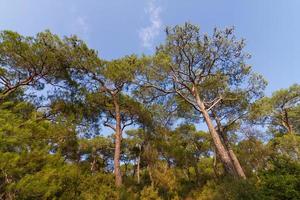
x,y
148,34
82,26
79,25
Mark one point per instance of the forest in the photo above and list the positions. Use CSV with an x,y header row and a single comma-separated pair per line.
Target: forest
x,y
190,121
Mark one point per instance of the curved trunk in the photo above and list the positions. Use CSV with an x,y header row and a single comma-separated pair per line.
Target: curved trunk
x,y
221,150
237,165
238,168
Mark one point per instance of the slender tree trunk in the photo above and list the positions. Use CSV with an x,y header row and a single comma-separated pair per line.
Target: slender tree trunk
x,y
188,174
93,164
286,122
215,164
118,139
221,150
138,169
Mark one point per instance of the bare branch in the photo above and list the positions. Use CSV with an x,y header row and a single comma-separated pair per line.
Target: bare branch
x,y
109,125
215,103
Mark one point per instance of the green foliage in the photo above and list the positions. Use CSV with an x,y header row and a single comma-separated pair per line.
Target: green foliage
x,y
48,184
251,151
286,145
280,112
228,189
149,193
31,61
282,180
55,147
97,186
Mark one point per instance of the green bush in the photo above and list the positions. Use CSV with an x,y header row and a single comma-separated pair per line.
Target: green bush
x,y
281,181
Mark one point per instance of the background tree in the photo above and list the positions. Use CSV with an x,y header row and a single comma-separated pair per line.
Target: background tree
x,y
107,83
280,112
30,61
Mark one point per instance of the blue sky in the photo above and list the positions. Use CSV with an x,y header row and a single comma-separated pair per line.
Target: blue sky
x,y
120,27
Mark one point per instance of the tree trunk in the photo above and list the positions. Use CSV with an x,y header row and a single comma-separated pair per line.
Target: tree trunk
x,y
238,168
221,150
215,164
286,122
237,164
138,169
118,139
93,164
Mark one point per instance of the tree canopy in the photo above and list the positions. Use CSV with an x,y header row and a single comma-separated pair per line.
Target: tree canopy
x,y
190,121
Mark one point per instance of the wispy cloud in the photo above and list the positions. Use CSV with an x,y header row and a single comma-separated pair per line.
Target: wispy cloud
x,y
148,34
82,26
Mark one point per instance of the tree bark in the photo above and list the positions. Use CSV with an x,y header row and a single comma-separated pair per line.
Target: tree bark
x,y
138,169
221,150
236,163
238,168
118,139
286,122
215,163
